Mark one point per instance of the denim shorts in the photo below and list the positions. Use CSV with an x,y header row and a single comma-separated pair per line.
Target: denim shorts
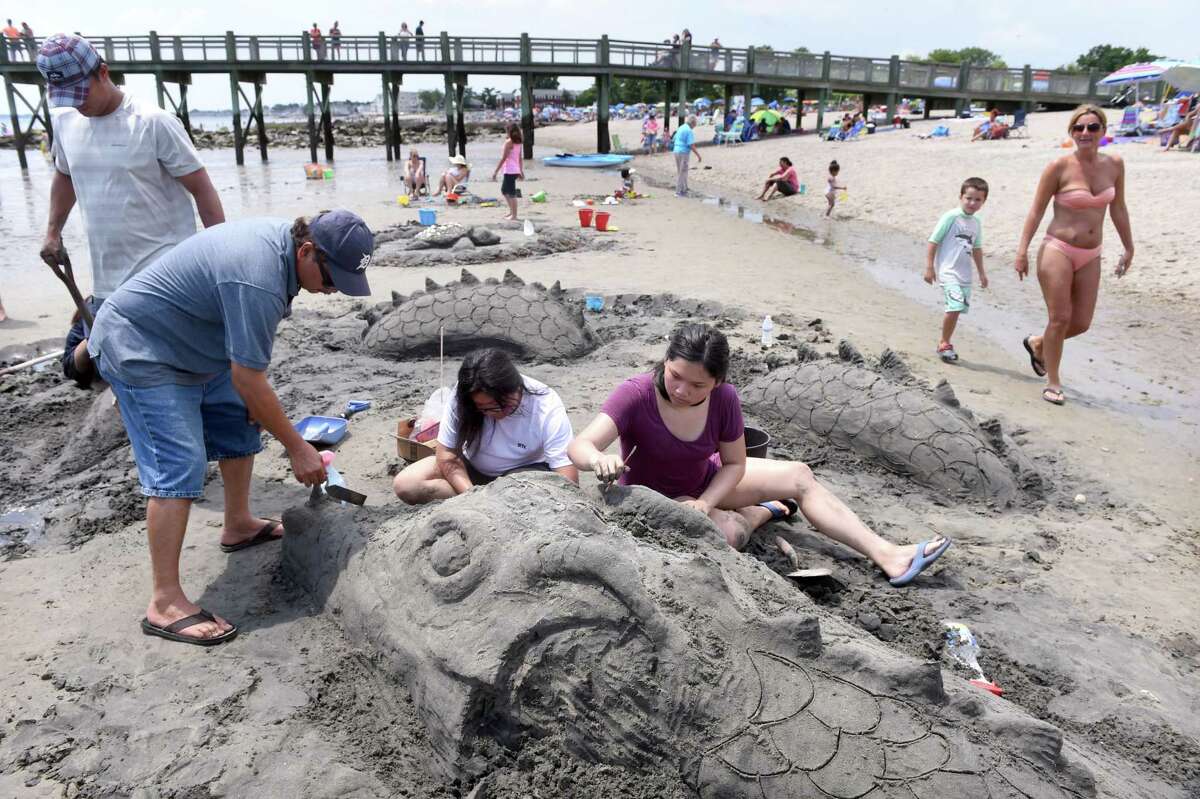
x,y
176,430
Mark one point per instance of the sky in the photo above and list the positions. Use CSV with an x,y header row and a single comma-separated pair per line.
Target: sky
x,y
1043,34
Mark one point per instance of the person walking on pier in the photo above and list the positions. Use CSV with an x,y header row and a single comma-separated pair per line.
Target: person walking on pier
x,y
318,42
420,37
685,145
404,36
136,205
335,40
30,41
12,39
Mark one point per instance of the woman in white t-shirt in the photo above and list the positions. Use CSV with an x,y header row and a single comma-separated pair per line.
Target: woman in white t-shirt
x,y
498,422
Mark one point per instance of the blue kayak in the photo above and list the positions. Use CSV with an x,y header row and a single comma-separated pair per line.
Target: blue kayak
x,y
590,160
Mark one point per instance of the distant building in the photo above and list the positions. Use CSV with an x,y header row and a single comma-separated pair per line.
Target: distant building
x,y
540,97
406,103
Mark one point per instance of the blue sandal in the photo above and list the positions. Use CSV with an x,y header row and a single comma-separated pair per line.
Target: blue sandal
x,y
920,562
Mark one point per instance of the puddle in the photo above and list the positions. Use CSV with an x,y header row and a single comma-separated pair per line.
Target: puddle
x,y
22,525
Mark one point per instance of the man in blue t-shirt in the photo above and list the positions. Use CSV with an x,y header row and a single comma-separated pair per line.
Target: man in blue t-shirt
x,y
684,146
185,345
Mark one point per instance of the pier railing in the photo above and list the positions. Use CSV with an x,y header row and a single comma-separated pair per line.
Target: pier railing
x,y
573,56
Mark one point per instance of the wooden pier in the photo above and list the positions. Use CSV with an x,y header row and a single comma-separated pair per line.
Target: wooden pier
x,y
248,60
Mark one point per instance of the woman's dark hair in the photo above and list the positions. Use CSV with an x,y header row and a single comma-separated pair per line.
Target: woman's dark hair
x,y
492,372
834,167
700,344
786,160
514,134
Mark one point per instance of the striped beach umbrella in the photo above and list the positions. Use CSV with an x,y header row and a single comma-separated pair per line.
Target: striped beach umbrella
x,y
1137,73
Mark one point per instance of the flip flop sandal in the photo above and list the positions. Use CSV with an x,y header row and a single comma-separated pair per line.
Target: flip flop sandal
x,y
263,536
1048,394
792,508
920,562
1038,367
172,632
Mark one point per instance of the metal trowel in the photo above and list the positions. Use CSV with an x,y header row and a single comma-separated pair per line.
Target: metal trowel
x,y
333,486
794,559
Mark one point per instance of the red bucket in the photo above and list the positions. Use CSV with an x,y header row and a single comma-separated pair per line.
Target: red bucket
x,y
602,220
585,217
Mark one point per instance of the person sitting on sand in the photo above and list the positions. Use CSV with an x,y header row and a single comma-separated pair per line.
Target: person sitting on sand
x,y
499,422
1185,126
454,180
783,180
414,174
993,128
686,423
628,182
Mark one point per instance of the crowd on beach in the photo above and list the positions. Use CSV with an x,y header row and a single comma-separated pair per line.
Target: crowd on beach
x,y
181,326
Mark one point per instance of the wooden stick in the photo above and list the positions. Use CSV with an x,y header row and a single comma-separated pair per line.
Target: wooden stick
x,y
49,356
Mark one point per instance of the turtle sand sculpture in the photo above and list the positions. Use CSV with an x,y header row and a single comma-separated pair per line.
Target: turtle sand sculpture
x,y
929,438
622,628
528,319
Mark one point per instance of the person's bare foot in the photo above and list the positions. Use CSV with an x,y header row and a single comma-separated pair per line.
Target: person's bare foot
x,y
901,557
243,531
166,611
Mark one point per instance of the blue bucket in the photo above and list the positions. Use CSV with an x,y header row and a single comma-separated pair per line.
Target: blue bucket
x,y
594,302
428,216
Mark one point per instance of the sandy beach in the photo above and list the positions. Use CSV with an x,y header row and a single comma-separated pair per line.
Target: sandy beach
x,y
1081,590
898,181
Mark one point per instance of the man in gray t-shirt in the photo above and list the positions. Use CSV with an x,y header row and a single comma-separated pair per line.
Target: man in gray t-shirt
x,y
130,167
185,345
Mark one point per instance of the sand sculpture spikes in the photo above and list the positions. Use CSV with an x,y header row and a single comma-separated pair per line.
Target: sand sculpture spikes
x,y
623,627
903,429
528,319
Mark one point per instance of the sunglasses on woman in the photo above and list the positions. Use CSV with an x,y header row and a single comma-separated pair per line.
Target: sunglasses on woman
x,y
1091,127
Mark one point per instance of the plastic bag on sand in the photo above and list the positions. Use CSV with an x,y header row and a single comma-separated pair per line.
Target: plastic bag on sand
x,y
430,419
529,231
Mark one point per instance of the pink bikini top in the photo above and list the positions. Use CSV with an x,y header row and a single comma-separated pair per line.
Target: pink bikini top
x,y
1083,198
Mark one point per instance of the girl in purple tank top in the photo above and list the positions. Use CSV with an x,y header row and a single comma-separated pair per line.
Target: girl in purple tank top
x,y
686,423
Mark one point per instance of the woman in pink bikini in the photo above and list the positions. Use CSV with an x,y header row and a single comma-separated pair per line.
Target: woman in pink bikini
x,y
1082,185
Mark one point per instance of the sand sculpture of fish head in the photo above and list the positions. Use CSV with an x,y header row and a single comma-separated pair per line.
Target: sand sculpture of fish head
x,y
530,320
622,626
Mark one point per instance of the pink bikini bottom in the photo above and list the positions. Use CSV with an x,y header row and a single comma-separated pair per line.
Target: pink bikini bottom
x,y
1079,256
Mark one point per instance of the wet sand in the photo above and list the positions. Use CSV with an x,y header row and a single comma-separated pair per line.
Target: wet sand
x,y
1085,610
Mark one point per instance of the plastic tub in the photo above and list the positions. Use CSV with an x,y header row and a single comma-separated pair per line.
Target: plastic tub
x,y
585,217
321,429
594,302
757,442
427,216
602,218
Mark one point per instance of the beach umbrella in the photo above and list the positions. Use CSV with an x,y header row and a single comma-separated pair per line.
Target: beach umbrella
x,y
757,101
1184,76
765,115
773,104
1137,73
702,102
789,100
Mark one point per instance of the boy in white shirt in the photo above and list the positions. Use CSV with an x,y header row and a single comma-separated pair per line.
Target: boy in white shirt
x,y
954,245
498,422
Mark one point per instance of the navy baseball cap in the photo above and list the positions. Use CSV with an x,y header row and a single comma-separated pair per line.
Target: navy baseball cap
x,y
347,243
66,62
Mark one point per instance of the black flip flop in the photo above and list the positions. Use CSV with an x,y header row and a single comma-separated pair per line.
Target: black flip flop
x,y
263,536
1038,367
790,504
172,631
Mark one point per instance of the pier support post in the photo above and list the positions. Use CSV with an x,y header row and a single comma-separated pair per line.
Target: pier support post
x,y
387,116
17,133
1027,102
683,89
312,120
239,143
603,101
799,110
44,104
666,114
160,91
259,119
893,98
327,119
451,130
397,79
527,114
822,101
460,125
728,98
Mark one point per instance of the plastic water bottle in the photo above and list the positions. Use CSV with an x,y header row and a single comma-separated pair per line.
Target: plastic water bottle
x,y
768,331
962,645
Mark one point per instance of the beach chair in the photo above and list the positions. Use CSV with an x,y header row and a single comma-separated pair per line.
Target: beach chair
x,y
1020,127
1129,126
854,132
617,147
1170,118
718,127
733,135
